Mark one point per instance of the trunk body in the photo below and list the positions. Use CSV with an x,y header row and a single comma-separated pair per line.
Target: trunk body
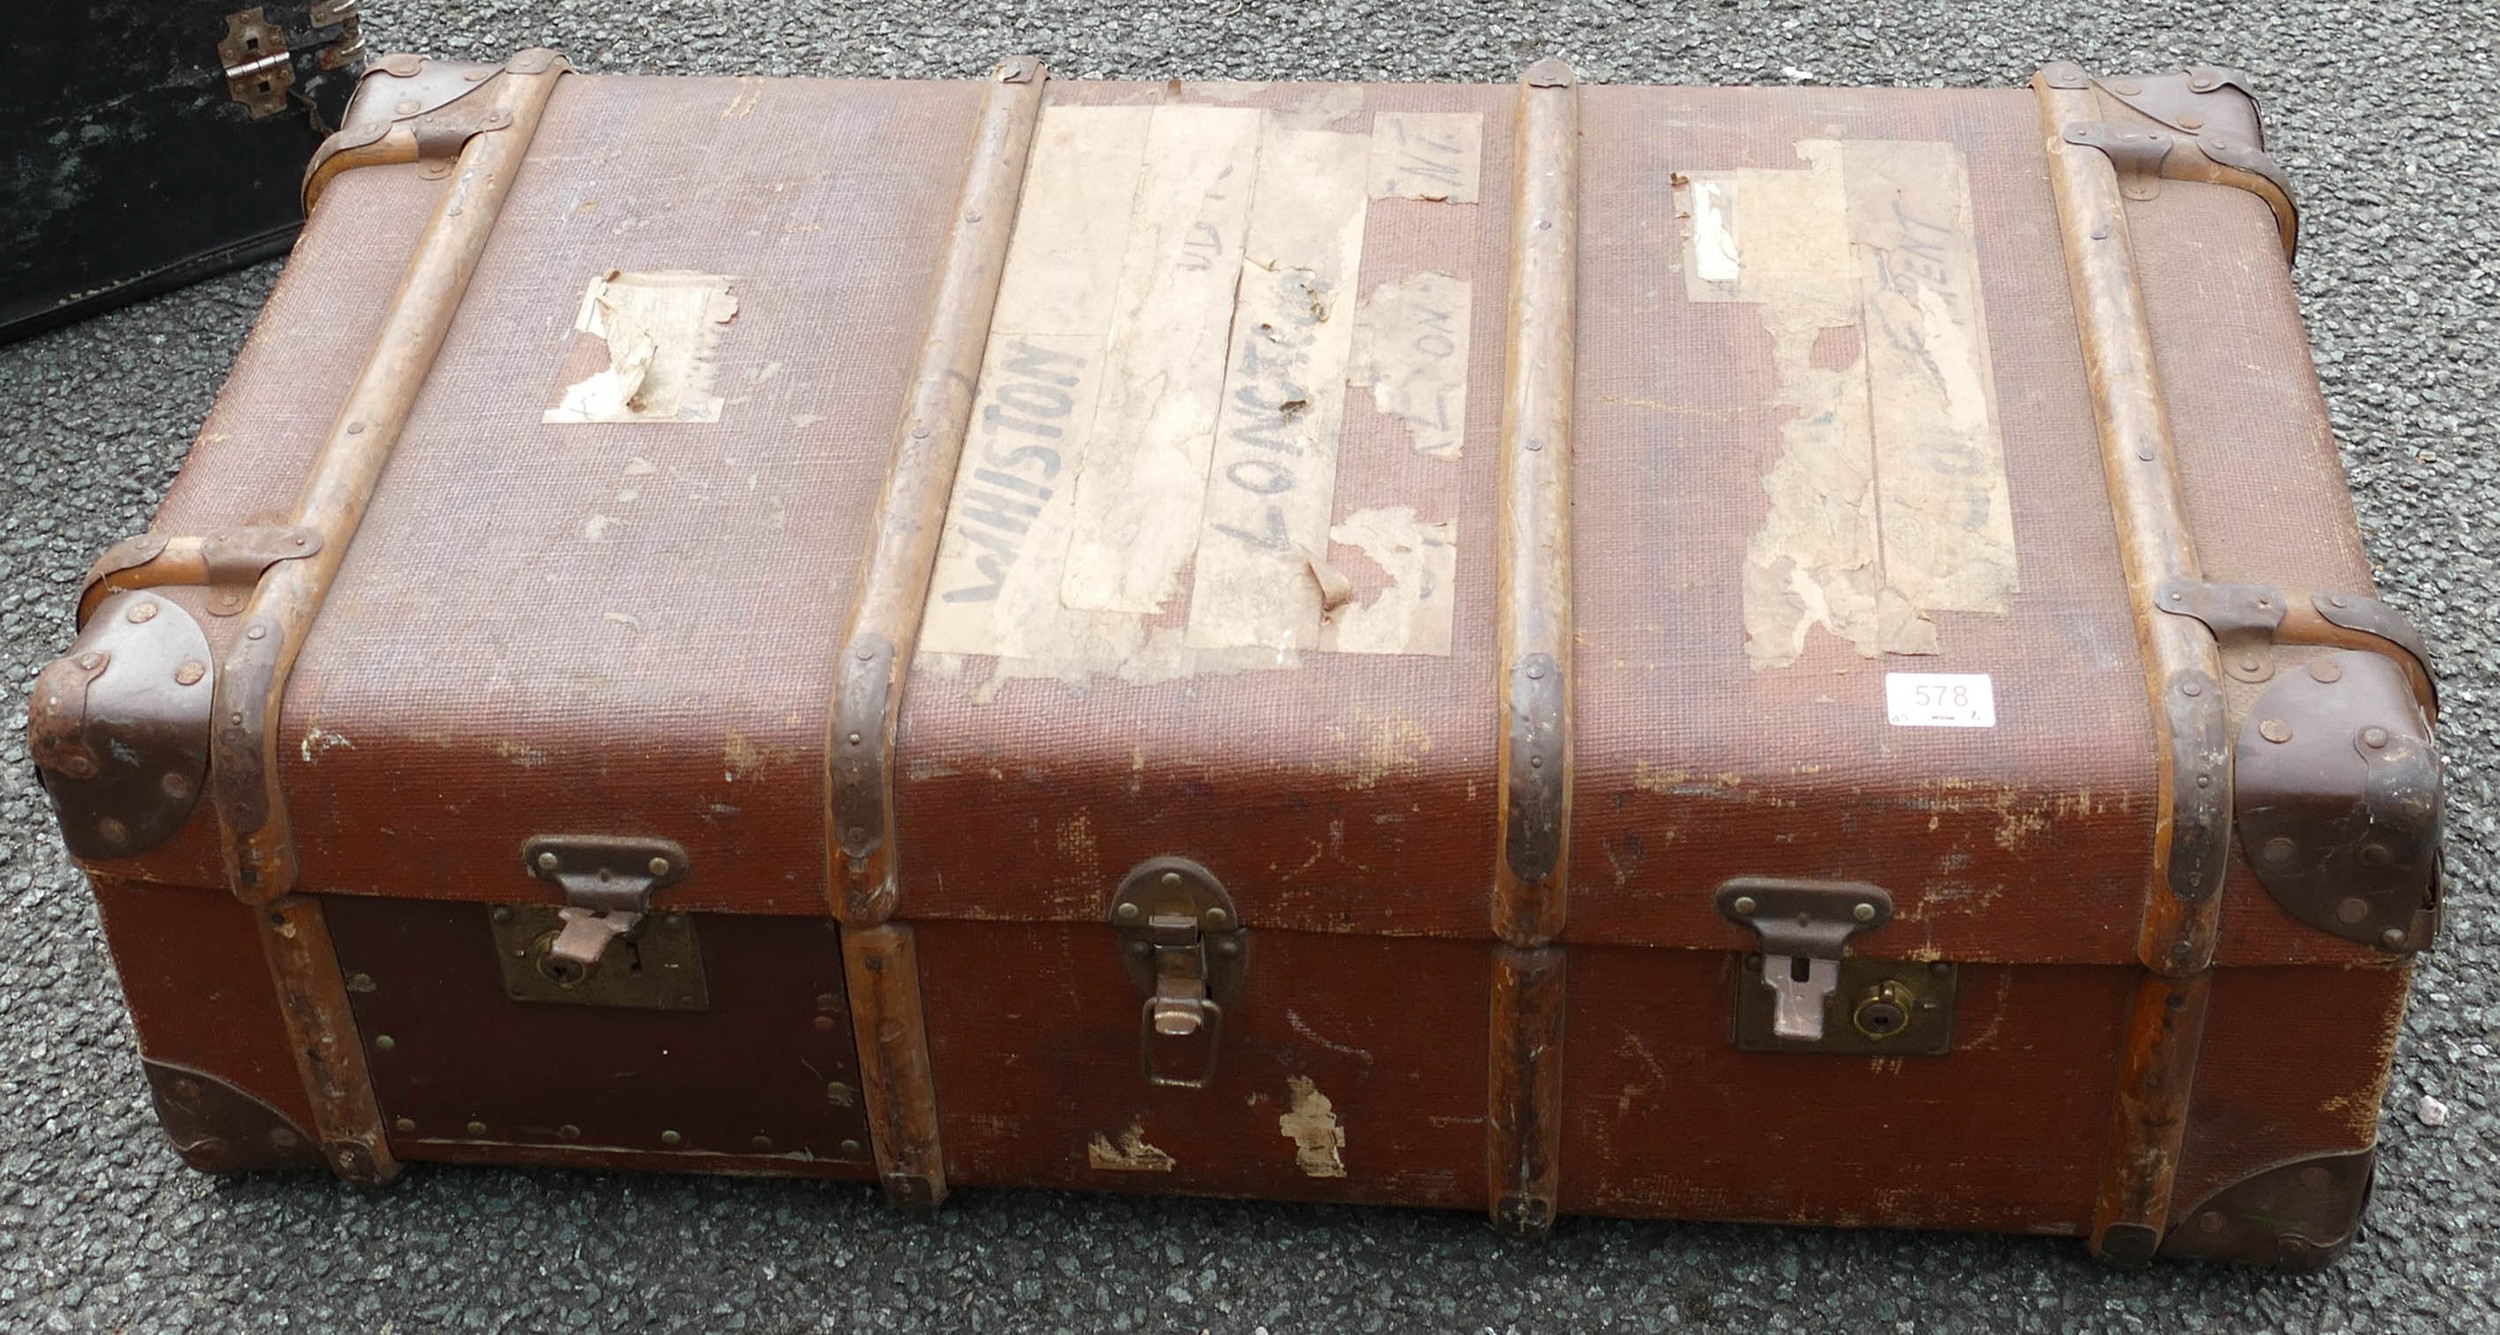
x,y
1377,510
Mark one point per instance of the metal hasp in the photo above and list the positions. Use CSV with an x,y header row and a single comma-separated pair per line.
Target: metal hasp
x,y
608,884
119,726
1184,946
2339,800
1805,928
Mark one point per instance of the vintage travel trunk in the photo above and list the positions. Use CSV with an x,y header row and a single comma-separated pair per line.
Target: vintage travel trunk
x,y
150,143
1780,654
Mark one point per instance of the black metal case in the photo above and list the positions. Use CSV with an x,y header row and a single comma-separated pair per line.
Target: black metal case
x,y
150,143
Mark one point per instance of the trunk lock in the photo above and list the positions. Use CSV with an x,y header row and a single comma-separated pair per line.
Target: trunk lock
x,y
1802,992
1184,947
608,885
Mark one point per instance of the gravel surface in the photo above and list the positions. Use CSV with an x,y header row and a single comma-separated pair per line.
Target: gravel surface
x,y
2384,117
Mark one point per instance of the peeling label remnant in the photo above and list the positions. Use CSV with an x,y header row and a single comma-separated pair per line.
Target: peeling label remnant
x,y
1410,346
655,332
1130,1155
1148,485
1429,155
1889,499
1411,615
1311,1124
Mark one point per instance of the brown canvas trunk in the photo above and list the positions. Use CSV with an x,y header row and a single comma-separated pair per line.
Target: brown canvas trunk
x,y
1771,654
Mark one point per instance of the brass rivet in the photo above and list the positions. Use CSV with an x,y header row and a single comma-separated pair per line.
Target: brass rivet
x,y
1744,904
827,1002
1172,880
257,633
824,1022
569,1131
2315,1177
403,1125
360,982
2393,938
2248,665
854,739
1863,913
2374,738
850,1147
2191,122
355,428
547,862
2335,600
112,830
1126,912
477,1128
659,866
2375,855
503,913
2275,730
865,653
385,1042
408,106
1216,918
2127,90
1536,672
2191,688
2280,849
2353,909
190,672
1940,968
189,1089
142,612
1536,762
762,1142
90,662
2177,597
2204,781
176,786
2324,669
671,1138
2210,1222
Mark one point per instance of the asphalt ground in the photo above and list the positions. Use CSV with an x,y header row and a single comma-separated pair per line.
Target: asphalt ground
x,y
2384,115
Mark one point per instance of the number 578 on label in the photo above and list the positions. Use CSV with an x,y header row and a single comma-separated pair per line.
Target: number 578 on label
x,y
1940,699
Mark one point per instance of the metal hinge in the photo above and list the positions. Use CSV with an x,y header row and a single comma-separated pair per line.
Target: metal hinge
x,y
1185,949
1789,994
259,72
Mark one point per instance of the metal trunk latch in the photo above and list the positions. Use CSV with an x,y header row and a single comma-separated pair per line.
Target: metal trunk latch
x,y
1805,926
1183,944
608,884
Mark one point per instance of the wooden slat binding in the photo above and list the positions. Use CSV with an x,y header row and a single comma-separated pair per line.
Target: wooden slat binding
x,y
2183,674
884,627
1533,857
251,685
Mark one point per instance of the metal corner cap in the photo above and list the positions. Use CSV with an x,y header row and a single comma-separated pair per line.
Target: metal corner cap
x,y
2063,74
1550,72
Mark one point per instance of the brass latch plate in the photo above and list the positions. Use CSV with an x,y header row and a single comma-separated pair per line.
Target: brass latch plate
x,y
659,968
1879,1008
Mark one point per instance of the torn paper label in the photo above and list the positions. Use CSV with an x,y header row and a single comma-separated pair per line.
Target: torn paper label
x,y
1412,614
654,332
1429,155
1410,347
1129,1154
1147,488
1311,1124
1888,500
1143,471
1272,487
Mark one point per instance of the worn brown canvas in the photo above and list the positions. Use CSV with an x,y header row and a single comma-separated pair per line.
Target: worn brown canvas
x,y
1788,654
